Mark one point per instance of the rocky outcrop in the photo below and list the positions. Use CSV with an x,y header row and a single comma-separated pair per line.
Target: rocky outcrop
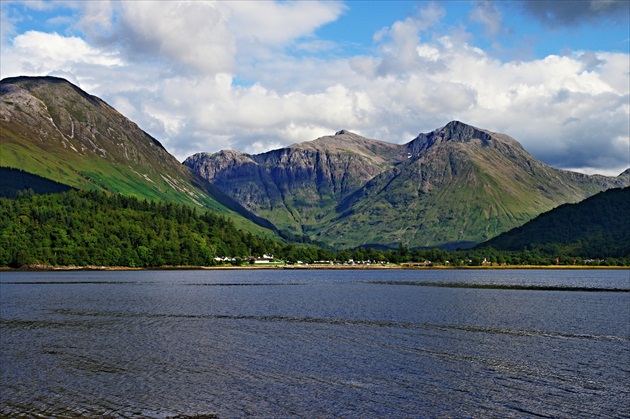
x,y
298,186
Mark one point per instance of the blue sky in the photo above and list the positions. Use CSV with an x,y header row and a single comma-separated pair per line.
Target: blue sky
x,y
521,31
205,76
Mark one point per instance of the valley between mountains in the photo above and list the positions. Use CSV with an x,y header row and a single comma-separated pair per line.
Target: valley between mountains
x,y
452,188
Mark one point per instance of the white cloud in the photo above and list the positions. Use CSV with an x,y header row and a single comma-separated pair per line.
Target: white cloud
x,y
174,68
38,53
272,23
487,14
399,43
209,36
97,17
191,35
7,24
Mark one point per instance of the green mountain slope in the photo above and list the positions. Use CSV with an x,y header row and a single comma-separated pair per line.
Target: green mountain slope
x,y
598,227
453,187
51,128
461,186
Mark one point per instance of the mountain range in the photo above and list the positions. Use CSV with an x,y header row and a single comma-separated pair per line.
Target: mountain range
x,y
454,187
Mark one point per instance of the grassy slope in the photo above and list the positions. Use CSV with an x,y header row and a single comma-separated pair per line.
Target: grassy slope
x,y
52,129
455,195
596,227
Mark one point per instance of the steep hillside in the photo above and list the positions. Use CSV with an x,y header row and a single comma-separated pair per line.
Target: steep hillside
x,y
461,186
298,187
453,187
597,227
51,128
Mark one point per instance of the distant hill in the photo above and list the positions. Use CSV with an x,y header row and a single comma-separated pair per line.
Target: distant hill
x,y
598,227
454,187
53,129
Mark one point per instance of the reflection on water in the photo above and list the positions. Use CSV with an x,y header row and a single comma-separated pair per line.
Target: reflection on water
x,y
315,344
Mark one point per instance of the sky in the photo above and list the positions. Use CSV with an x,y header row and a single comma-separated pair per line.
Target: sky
x,y
202,76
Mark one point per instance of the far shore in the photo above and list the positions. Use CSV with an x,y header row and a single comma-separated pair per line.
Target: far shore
x,y
391,266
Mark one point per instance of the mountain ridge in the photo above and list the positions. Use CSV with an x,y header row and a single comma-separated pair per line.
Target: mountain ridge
x,y
283,181
456,186
453,187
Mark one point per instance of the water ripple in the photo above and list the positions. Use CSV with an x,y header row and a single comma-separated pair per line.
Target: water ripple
x,y
488,286
312,320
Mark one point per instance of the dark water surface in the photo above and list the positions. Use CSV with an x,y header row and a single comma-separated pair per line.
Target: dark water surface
x,y
283,343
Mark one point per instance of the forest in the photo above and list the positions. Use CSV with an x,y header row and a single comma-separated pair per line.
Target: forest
x,y
90,228
597,227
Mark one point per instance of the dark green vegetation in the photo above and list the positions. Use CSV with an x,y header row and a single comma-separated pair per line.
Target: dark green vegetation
x,y
598,227
80,228
51,128
14,180
92,228
454,187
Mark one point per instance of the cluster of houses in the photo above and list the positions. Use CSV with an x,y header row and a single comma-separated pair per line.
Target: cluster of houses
x,y
269,259
265,259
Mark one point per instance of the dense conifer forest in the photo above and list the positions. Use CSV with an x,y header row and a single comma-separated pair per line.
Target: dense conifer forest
x,y
93,228
90,228
14,180
598,227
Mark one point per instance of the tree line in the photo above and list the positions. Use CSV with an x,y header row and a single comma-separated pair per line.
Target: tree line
x,y
82,228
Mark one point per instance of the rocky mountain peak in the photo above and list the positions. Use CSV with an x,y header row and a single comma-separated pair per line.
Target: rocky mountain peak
x,y
625,175
453,132
208,165
35,84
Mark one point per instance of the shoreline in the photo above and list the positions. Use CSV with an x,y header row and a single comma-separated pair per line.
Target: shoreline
x,y
49,268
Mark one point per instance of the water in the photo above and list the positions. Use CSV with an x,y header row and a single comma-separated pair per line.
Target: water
x,y
295,343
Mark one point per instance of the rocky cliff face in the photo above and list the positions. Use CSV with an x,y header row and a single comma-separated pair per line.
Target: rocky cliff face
x,y
454,187
299,186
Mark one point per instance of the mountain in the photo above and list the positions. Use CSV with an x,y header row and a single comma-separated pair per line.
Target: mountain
x,y
454,187
53,129
598,227
298,187
461,186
